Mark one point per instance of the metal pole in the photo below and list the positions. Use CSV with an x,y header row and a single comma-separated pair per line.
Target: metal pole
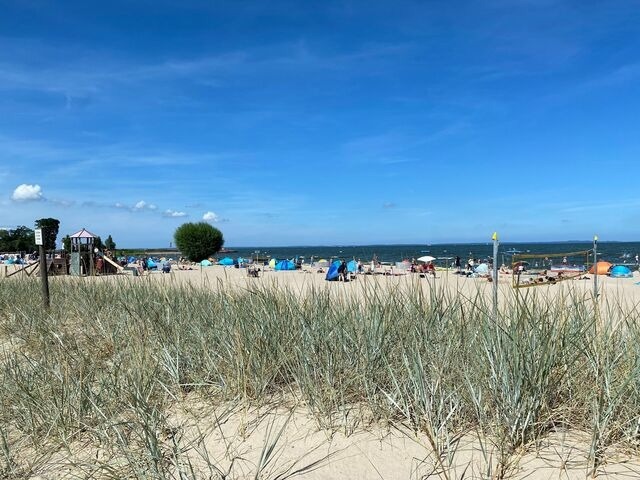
x,y
495,275
44,277
595,267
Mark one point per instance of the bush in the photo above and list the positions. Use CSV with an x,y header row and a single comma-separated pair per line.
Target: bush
x,y
198,241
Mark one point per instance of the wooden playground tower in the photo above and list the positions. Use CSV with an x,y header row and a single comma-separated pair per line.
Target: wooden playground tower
x,y
82,253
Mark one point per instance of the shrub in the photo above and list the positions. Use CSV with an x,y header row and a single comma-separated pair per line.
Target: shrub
x,y
197,241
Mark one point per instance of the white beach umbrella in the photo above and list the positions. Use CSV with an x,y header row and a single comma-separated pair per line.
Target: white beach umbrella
x,y
426,258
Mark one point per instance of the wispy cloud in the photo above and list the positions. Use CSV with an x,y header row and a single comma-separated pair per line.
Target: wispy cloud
x,y
142,205
396,146
173,214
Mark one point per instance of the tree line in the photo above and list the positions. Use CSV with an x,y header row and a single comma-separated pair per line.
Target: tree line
x,y
22,238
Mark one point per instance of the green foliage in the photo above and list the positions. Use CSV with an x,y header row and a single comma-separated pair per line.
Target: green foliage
x,y
66,244
109,244
50,227
97,243
20,239
198,241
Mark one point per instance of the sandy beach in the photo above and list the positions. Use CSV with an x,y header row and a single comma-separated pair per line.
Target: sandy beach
x,y
307,279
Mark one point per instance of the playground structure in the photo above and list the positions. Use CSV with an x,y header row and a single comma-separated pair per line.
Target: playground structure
x,y
57,265
549,268
114,265
82,254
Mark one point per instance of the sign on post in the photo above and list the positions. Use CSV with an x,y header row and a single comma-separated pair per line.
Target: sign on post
x,y
38,232
43,268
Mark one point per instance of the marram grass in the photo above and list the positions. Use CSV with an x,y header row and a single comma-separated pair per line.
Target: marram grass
x,y
107,361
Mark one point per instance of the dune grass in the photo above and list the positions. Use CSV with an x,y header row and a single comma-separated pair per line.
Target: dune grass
x,y
105,364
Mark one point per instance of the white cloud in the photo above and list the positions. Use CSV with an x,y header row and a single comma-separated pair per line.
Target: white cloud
x,y
210,217
142,205
27,193
173,214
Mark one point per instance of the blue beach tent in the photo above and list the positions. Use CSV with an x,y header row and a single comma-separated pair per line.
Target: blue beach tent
x,y
227,261
620,271
151,264
205,263
352,266
285,265
332,273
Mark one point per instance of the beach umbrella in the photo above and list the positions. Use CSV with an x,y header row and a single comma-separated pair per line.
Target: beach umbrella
x,y
322,263
226,261
426,258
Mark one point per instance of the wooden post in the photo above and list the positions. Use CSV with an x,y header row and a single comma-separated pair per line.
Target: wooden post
x,y
595,267
44,274
495,275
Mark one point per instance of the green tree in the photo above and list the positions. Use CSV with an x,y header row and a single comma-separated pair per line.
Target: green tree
x,y
66,244
50,227
20,239
109,244
97,243
198,241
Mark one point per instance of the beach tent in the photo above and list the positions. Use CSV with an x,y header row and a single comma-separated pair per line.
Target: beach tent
x,y
205,263
482,269
131,260
226,261
151,264
332,273
285,265
272,263
337,263
10,261
621,271
352,266
241,260
602,268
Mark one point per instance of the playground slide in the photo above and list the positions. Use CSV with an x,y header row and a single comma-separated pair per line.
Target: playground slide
x,y
118,267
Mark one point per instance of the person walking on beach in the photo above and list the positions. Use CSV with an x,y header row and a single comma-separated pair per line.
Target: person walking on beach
x,y
457,264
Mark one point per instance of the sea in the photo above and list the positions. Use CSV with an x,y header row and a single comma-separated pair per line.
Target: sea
x,y
615,252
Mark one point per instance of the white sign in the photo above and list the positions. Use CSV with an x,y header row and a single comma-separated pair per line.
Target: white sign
x,y
38,232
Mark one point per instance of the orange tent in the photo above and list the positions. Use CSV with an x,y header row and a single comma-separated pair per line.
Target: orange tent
x,y
601,267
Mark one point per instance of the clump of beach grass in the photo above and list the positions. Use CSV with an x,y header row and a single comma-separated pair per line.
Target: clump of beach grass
x,y
101,370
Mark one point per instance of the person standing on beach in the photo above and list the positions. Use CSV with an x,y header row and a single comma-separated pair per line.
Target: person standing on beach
x,y
342,271
457,264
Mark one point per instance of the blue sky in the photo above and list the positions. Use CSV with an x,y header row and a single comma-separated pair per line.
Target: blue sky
x,y
292,123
